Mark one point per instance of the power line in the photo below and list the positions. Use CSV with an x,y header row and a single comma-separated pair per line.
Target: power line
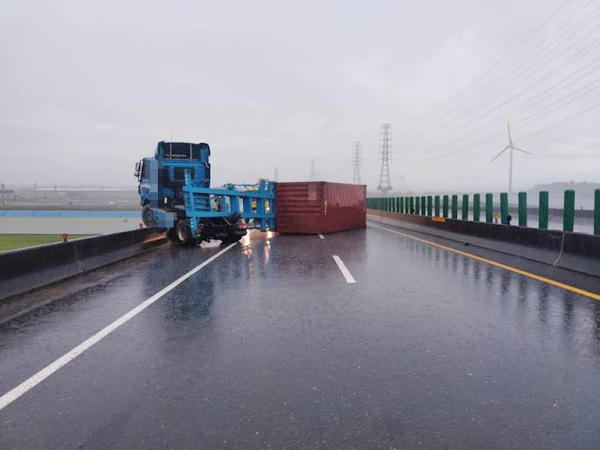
x,y
506,55
539,80
560,122
510,71
526,55
561,105
498,92
593,65
498,133
546,75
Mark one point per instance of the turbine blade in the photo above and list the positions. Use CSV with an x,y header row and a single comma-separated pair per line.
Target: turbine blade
x,y
498,155
523,151
404,182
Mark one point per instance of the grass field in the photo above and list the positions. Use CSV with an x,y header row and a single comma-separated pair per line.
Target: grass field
x,y
14,241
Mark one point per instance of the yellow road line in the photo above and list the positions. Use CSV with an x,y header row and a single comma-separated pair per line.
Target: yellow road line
x,y
496,264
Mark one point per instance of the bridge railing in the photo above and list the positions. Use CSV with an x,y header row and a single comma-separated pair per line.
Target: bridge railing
x,y
448,207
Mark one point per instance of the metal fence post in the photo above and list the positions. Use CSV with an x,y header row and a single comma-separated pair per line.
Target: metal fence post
x,y
445,205
476,207
455,206
423,205
418,205
465,207
597,212
429,205
489,208
504,208
569,210
522,209
543,210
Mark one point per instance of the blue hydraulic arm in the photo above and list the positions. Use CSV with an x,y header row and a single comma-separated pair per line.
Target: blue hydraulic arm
x,y
204,202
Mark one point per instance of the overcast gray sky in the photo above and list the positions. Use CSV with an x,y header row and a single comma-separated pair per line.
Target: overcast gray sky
x,y
89,88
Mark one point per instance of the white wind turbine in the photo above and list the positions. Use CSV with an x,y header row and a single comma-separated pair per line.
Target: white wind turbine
x,y
510,147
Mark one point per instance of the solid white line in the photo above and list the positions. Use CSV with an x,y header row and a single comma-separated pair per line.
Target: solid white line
x,y
344,269
321,236
36,379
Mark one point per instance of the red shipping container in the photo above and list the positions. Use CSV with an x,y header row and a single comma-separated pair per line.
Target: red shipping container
x,y
319,207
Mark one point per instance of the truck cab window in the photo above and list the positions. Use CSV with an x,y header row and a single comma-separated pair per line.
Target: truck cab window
x,y
145,170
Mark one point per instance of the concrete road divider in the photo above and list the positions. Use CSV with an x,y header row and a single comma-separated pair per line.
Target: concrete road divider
x,y
35,267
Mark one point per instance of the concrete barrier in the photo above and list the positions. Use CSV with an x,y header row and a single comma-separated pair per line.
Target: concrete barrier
x,y
572,251
32,268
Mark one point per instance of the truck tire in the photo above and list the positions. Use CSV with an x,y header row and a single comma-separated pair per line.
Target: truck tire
x,y
183,233
148,216
171,235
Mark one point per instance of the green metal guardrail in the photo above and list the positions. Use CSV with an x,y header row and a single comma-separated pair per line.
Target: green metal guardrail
x,y
432,206
597,212
522,209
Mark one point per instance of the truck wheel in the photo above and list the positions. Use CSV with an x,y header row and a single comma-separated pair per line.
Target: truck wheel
x,y
183,234
148,217
172,235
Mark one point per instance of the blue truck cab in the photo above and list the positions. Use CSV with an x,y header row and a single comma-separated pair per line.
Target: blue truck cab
x,y
175,195
162,177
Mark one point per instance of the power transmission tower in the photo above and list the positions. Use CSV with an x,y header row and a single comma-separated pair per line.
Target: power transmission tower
x,y
313,171
385,185
276,174
510,147
356,160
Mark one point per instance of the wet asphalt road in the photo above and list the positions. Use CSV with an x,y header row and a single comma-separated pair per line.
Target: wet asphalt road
x,y
269,347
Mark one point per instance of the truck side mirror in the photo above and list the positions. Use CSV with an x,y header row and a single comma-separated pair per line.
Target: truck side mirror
x,y
136,174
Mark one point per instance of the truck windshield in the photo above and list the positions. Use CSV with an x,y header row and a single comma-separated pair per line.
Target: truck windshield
x,y
173,150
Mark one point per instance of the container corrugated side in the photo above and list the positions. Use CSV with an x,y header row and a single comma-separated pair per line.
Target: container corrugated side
x,y
299,208
346,207
319,207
